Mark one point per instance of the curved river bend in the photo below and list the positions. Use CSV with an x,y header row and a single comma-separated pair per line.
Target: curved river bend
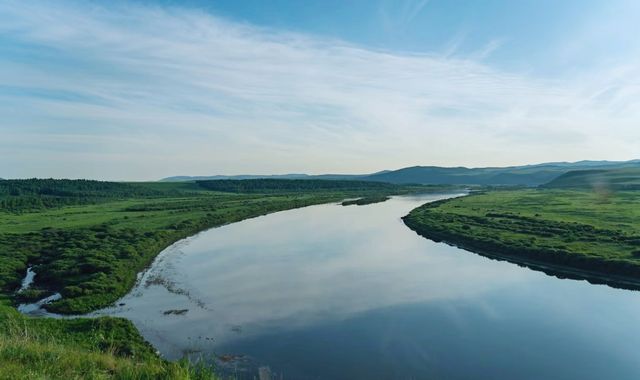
x,y
334,292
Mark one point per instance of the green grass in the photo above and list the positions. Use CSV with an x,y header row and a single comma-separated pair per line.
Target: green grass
x,y
578,231
100,348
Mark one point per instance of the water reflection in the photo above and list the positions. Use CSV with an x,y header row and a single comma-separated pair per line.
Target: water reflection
x,y
341,292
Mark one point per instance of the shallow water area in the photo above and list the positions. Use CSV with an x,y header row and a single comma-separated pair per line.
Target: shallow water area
x,y
36,309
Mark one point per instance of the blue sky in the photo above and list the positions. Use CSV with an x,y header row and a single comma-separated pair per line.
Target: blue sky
x,y
147,89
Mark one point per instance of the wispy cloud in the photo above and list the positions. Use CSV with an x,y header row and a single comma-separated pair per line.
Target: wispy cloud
x,y
142,92
412,8
397,15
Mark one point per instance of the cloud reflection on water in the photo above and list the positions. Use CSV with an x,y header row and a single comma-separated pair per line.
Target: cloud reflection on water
x,y
297,268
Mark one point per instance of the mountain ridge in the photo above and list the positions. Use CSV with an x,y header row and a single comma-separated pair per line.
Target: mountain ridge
x,y
524,175
599,179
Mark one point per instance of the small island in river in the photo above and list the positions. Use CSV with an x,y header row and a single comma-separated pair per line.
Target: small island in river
x,y
365,200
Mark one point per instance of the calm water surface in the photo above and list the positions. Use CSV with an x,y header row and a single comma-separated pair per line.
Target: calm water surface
x,y
333,292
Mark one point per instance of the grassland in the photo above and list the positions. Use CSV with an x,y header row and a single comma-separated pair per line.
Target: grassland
x,y
582,234
87,240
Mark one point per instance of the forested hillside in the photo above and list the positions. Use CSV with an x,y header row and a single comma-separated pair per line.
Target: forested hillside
x,y
267,185
34,194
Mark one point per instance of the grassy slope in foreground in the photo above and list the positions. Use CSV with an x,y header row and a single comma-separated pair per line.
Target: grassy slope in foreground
x,y
578,233
100,348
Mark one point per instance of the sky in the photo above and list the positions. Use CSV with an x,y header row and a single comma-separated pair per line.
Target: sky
x,y
141,90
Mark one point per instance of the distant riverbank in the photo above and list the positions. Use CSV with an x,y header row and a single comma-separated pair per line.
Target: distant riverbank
x,y
562,233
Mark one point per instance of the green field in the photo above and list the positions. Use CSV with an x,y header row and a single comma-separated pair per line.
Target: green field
x,y
580,233
87,240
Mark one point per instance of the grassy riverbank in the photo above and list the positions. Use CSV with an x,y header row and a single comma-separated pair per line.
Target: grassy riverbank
x,y
581,233
87,240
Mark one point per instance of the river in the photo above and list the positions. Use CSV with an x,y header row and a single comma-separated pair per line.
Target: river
x,y
335,292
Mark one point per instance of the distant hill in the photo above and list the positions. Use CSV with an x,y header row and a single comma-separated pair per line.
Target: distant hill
x,y
216,177
613,179
273,176
526,175
267,185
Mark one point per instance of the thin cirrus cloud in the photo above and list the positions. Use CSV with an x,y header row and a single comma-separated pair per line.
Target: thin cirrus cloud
x,y
141,92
